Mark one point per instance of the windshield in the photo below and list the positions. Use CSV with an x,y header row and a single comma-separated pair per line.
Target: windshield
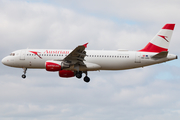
x,y
12,54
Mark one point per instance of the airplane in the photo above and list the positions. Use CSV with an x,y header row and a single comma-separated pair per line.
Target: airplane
x,y
70,63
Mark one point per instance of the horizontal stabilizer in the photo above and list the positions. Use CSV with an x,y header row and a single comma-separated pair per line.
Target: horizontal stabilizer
x,y
161,54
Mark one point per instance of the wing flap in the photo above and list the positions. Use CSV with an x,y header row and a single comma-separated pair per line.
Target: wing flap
x,y
76,57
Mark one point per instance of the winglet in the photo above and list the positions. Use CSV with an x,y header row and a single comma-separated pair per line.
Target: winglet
x,y
85,45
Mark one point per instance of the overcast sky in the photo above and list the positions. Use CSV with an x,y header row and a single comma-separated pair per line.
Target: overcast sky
x,y
149,93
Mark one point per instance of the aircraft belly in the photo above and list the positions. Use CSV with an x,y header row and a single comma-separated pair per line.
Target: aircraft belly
x,y
113,64
121,64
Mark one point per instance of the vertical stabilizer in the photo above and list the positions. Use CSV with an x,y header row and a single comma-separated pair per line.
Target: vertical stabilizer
x,y
161,41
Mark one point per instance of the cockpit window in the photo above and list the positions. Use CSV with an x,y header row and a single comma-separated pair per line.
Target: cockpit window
x,y
12,54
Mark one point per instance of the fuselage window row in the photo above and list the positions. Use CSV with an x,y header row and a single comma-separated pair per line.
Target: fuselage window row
x,y
87,55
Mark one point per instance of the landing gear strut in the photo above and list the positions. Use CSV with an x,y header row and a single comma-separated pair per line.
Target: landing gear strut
x,y
86,78
24,75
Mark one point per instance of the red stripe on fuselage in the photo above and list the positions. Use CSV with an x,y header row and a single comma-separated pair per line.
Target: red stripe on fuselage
x,y
153,48
169,26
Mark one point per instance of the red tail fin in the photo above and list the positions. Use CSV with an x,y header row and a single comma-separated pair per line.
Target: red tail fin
x,y
161,41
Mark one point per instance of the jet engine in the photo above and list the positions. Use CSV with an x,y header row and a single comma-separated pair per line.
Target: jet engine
x,y
66,73
53,66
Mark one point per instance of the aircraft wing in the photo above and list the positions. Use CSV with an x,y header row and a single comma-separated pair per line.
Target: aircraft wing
x,y
76,57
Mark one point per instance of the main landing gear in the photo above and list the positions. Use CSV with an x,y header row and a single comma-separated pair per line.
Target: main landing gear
x,y
79,75
86,79
24,75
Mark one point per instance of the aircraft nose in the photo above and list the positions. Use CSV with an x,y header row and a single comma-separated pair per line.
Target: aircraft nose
x,y
4,61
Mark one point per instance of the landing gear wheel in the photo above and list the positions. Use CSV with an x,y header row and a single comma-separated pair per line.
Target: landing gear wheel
x,y
79,74
86,79
24,76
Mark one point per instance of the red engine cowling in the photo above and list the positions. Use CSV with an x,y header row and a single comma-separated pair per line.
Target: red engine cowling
x,y
53,66
66,73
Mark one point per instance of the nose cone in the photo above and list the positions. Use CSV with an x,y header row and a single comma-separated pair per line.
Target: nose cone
x,y
7,61
3,61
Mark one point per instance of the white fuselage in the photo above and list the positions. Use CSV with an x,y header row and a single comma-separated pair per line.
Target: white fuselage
x,y
95,59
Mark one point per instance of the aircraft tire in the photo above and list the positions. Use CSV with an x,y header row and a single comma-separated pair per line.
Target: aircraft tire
x,y
23,76
79,75
86,79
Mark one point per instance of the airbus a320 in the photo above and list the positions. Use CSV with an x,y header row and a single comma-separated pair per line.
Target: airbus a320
x,y
70,63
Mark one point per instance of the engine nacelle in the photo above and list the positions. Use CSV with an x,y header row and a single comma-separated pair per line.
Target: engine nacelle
x,y
53,65
66,73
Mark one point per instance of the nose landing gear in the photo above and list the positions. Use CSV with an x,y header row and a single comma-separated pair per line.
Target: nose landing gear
x,y
24,75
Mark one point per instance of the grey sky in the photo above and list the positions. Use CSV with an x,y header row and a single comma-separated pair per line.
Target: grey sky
x,y
139,94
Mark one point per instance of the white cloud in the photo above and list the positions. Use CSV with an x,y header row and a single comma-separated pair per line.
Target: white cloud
x,y
144,11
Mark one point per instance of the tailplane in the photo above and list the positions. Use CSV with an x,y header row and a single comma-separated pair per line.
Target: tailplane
x,y
161,41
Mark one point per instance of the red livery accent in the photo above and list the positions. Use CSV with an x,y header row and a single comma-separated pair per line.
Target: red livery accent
x,y
36,53
56,52
66,73
169,26
153,48
164,37
85,45
50,66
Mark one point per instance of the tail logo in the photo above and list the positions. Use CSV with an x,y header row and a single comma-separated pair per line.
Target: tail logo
x,y
164,37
